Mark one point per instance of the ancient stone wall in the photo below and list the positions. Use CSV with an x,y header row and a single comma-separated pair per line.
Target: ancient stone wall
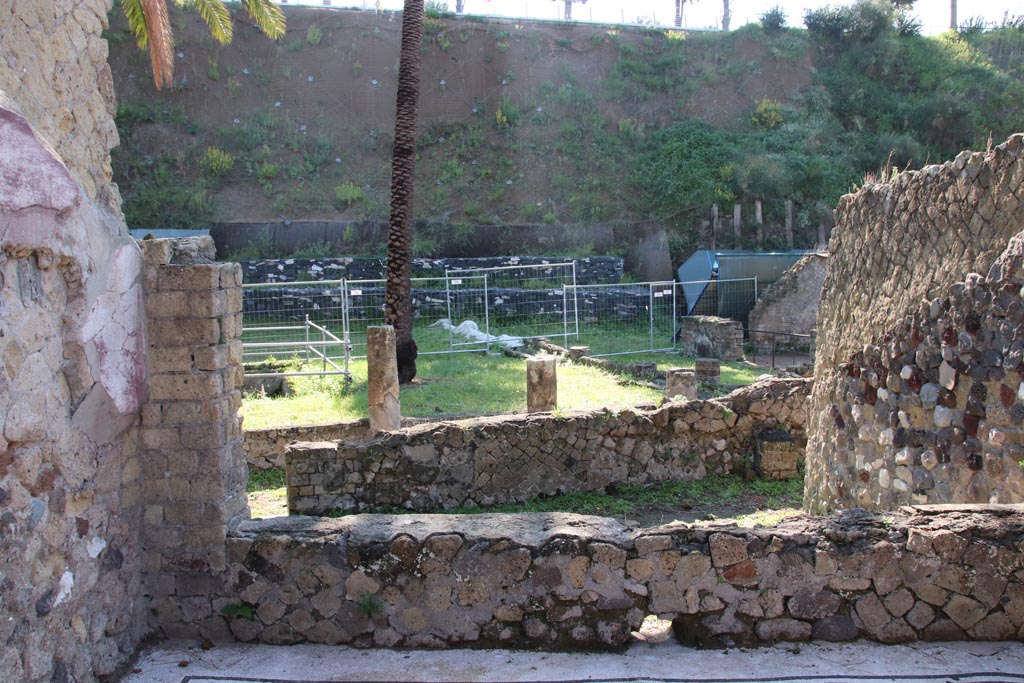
x,y
72,379
489,461
918,363
264,448
790,304
709,336
53,64
568,581
191,452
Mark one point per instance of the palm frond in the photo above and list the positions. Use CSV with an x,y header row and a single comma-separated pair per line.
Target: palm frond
x,y
267,16
160,40
136,21
216,16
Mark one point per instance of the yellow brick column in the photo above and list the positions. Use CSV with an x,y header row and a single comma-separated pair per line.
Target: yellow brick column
x,y
194,465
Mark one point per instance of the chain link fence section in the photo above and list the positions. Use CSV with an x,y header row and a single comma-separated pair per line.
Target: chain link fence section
x,y
300,325
528,301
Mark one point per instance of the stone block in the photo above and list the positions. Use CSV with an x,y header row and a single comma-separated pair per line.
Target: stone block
x,y
201,277
727,549
184,332
810,604
169,359
964,611
166,305
774,630
184,387
838,628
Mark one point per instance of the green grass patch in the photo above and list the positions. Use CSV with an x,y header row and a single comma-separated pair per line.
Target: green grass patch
x,y
759,502
451,384
733,373
265,480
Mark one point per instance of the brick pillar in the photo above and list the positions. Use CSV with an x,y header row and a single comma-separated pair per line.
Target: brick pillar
x,y
192,456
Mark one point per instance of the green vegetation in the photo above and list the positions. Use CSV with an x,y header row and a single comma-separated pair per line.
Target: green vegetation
x,y
634,141
217,163
748,503
628,500
456,384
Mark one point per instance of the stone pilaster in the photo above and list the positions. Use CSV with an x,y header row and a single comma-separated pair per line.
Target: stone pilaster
x,y
192,454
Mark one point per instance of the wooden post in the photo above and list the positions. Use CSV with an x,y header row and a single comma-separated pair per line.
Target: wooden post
x,y
382,380
541,384
577,352
737,223
789,223
825,225
759,220
714,225
680,383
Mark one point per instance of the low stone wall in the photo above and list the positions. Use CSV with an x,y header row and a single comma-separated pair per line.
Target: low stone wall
x,y
264,448
711,337
568,581
589,270
489,461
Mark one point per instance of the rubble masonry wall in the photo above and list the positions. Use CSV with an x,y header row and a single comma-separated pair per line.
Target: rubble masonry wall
x,y
494,460
917,394
569,581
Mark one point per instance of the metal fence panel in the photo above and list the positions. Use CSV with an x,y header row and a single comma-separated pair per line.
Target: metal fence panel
x,y
296,322
529,301
627,318
472,309
431,303
722,298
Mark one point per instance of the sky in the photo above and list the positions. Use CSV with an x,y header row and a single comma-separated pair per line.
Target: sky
x,y
934,14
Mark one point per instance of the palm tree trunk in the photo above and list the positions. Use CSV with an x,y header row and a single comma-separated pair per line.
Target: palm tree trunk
x,y
398,296
726,15
679,13
952,14
568,10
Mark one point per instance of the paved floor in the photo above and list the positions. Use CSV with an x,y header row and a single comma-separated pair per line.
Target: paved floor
x,y
175,663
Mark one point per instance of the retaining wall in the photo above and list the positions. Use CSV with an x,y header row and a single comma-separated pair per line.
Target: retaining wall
x,y
568,581
918,394
489,461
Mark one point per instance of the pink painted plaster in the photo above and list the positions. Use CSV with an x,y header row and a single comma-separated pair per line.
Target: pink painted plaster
x,y
31,173
113,327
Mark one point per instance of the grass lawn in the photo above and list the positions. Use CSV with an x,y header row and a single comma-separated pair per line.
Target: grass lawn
x,y
467,384
748,503
733,373
455,384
